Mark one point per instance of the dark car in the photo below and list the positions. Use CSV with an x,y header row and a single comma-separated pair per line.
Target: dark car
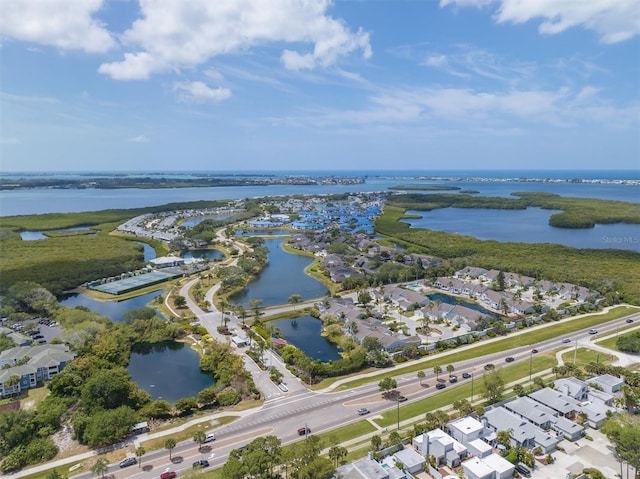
x,y
629,320
466,375
304,431
524,470
129,461
534,351
453,379
362,411
441,385
509,359
489,366
566,340
201,464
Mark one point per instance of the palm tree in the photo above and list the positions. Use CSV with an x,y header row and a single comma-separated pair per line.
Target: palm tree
x,y
437,370
421,376
100,467
140,451
294,299
199,437
376,442
450,369
170,444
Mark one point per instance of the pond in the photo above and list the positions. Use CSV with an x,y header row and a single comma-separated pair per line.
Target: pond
x,y
111,309
207,254
530,225
283,276
304,334
169,371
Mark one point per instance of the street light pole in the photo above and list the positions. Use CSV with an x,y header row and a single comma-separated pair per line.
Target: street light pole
x,y
398,401
530,364
471,387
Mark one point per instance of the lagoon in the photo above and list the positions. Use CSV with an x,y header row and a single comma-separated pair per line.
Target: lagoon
x,y
112,309
283,276
530,225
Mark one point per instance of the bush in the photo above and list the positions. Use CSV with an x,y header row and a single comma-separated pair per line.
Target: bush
x,y
228,398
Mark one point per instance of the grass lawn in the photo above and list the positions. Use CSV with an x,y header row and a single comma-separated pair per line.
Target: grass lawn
x,y
584,356
448,396
63,470
155,444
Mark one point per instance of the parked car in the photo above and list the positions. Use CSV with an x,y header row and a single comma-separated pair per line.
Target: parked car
x,y
509,359
129,461
522,469
168,475
201,464
441,385
453,379
466,375
303,431
362,411
489,366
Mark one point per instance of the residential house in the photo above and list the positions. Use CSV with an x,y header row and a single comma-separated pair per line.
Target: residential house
x,y
363,468
444,448
534,412
523,433
609,383
412,462
492,466
465,429
41,363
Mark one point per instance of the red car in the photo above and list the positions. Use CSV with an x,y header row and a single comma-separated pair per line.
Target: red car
x,y
304,431
168,475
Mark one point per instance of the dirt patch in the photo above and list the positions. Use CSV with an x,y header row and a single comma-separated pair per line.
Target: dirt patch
x,y
67,446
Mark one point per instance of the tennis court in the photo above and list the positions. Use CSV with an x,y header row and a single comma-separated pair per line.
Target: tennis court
x,y
131,283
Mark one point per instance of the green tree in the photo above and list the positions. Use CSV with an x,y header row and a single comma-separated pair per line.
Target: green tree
x,y
294,299
207,396
56,475
337,453
437,370
421,376
376,443
180,301
140,451
387,384
199,437
450,369
493,386
186,405
169,444
623,430
504,437
234,468
100,467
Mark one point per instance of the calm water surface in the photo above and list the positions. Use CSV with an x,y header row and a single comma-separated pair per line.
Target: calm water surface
x,y
169,371
111,309
209,254
304,333
283,276
525,226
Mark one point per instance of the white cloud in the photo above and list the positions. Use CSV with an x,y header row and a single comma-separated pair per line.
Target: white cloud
x,y
174,34
139,139
66,24
9,141
436,61
198,92
613,20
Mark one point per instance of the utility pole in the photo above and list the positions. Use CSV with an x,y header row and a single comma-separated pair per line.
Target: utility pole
x,y
471,387
398,401
530,364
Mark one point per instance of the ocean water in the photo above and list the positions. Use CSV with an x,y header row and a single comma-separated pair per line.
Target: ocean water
x,y
595,184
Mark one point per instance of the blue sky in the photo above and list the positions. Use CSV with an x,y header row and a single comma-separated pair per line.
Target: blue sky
x,y
312,85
